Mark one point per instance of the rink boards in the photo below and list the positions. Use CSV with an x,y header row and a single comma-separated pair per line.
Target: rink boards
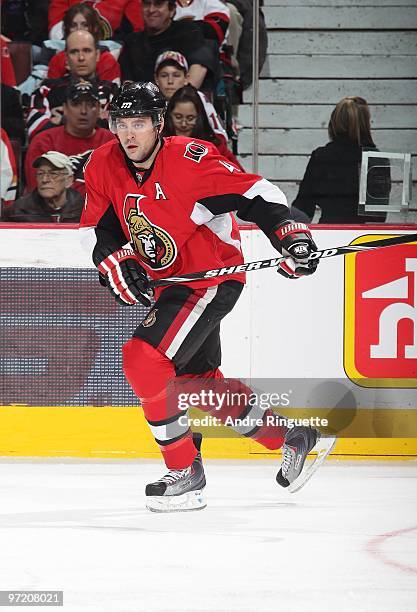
x,y
350,331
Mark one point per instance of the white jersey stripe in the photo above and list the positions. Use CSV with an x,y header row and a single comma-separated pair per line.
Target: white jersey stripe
x,y
190,321
268,191
221,225
170,430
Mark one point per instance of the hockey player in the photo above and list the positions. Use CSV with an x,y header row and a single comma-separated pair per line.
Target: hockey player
x,y
161,207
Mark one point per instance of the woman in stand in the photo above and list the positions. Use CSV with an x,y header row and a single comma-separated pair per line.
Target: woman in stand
x,y
331,180
186,116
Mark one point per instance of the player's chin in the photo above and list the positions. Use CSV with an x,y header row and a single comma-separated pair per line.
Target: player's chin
x,y
133,153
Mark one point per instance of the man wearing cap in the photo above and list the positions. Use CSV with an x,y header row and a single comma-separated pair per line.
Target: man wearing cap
x,y
47,101
163,33
76,138
171,73
53,200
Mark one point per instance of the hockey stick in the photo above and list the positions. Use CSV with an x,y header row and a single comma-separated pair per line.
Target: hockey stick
x,y
273,263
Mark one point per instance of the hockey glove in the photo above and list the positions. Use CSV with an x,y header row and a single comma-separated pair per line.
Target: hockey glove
x,y
295,242
125,277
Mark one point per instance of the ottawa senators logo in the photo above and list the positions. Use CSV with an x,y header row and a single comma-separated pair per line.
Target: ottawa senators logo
x,y
153,244
195,151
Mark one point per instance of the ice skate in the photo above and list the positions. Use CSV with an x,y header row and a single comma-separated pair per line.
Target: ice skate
x,y
179,490
299,441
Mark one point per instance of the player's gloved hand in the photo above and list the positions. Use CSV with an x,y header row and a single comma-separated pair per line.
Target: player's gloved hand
x,y
125,277
295,242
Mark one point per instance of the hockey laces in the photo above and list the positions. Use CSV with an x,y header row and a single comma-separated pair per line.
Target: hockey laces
x,y
286,460
174,475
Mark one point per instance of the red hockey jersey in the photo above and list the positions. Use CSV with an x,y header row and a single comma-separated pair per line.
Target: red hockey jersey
x,y
177,215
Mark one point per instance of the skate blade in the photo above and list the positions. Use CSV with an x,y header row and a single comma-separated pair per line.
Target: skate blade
x,y
193,500
323,447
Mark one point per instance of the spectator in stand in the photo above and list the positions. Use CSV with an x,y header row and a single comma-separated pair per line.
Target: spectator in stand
x,y
77,138
82,16
234,32
46,105
331,180
186,116
53,201
244,50
211,15
215,19
161,34
111,13
8,171
171,73
12,113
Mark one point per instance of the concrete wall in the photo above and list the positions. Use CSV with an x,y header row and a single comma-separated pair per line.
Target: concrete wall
x,y
320,51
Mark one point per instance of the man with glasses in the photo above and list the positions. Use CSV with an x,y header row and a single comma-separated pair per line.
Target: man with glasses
x,y
162,207
53,200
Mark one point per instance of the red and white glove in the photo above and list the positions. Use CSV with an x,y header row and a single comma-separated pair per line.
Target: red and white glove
x,y
295,242
125,277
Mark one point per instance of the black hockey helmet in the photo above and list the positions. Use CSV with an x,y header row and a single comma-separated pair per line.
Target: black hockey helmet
x,y
138,99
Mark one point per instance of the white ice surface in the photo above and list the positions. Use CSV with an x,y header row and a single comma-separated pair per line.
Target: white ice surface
x,y
81,527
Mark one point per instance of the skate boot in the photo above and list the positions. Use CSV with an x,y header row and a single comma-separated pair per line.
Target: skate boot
x,y
179,490
299,441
